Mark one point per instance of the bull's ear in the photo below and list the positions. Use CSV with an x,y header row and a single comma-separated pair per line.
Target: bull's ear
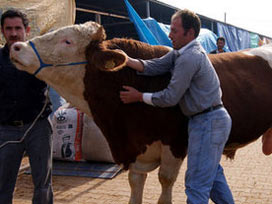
x,y
109,60
100,35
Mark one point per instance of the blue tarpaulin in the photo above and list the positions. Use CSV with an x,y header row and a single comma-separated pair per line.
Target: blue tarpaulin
x,y
159,30
207,39
154,33
236,39
255,39
144,33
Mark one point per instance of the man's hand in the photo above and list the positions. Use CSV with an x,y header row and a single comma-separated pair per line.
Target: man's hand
x,y
131,95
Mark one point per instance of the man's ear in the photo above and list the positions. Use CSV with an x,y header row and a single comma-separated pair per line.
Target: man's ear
x,y
191,32
27,30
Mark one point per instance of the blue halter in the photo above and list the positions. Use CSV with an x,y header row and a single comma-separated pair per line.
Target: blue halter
x,y
43,65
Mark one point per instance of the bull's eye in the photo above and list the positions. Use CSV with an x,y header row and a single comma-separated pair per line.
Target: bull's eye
x,y
67,42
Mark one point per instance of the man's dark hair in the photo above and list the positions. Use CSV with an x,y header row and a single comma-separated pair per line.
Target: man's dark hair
x,y
189,20
12,13
221,38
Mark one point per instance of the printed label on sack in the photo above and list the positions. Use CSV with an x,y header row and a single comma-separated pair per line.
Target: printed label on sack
x,y
67,134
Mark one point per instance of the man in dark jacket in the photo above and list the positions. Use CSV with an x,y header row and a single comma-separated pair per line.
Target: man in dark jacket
x,y
220,42
22,100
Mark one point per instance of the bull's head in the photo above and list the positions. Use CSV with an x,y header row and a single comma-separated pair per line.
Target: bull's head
x,y
63,46
59,57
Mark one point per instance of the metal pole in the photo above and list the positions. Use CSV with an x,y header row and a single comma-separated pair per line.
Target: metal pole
x,y
147,9
212,28
98,18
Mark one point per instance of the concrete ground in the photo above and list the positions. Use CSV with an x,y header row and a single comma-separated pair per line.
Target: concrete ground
x,y
249,176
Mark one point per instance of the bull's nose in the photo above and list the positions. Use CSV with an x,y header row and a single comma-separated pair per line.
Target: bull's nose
x,y
17,47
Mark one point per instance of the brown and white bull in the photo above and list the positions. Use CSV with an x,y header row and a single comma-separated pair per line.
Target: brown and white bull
x,y
142,137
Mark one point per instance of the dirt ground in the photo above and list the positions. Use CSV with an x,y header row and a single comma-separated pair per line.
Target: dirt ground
x,y
249,176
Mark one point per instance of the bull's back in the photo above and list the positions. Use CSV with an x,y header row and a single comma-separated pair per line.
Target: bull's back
x,y
246,86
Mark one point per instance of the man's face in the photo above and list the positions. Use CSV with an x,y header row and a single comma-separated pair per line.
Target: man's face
x,y
220,44
13,30
177,34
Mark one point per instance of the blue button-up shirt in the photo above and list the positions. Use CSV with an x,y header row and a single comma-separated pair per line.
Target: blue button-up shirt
x,y
194,84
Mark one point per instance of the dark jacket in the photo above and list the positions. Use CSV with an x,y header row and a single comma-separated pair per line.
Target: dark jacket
x,y
21,94
215,51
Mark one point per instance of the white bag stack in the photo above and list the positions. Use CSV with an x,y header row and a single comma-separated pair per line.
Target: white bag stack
x,y
76,137
94,145
67,125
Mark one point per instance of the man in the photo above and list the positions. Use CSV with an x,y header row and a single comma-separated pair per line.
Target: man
x,y
194,85
22,99
220,42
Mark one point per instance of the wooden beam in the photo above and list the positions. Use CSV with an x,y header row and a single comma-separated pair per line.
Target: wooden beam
x,y
101,13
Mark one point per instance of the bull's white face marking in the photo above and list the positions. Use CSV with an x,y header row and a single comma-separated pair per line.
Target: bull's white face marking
x,y
65,45
264,52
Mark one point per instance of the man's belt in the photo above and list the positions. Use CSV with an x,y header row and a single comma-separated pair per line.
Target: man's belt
x,y
212,108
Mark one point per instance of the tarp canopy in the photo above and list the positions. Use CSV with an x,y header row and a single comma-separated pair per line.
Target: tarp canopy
x,y
44,15
236,38
161,31
144,33
207,39
154,33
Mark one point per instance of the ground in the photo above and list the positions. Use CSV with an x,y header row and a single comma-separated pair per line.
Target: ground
x,y
249,176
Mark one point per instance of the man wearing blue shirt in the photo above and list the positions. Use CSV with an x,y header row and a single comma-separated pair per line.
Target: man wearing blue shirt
x,y
220,43
195,86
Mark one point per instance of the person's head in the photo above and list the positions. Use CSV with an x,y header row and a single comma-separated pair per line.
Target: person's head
x,y
220,42
14,26
185,27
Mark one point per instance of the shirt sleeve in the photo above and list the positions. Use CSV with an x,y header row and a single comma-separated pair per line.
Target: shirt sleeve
x,y
184,70
158,66
147,98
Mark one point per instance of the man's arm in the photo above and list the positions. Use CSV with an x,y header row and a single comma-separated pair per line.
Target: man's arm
x,y
135,64
151,67
156,66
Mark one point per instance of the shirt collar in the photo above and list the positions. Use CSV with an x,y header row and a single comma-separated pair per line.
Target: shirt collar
x,y
6,49
217,51
181,50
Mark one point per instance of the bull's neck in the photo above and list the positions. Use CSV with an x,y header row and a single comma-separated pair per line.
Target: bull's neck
x,y
68,82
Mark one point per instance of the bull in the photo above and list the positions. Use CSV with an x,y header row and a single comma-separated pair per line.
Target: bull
x,y
89,71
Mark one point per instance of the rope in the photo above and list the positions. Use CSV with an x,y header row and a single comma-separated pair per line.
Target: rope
x,y
33,123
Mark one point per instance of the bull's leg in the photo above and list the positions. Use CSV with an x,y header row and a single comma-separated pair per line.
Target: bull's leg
x,y
168,173
136,182
267,142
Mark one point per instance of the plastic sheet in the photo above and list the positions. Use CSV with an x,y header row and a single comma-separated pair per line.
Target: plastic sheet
x,y
44,15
